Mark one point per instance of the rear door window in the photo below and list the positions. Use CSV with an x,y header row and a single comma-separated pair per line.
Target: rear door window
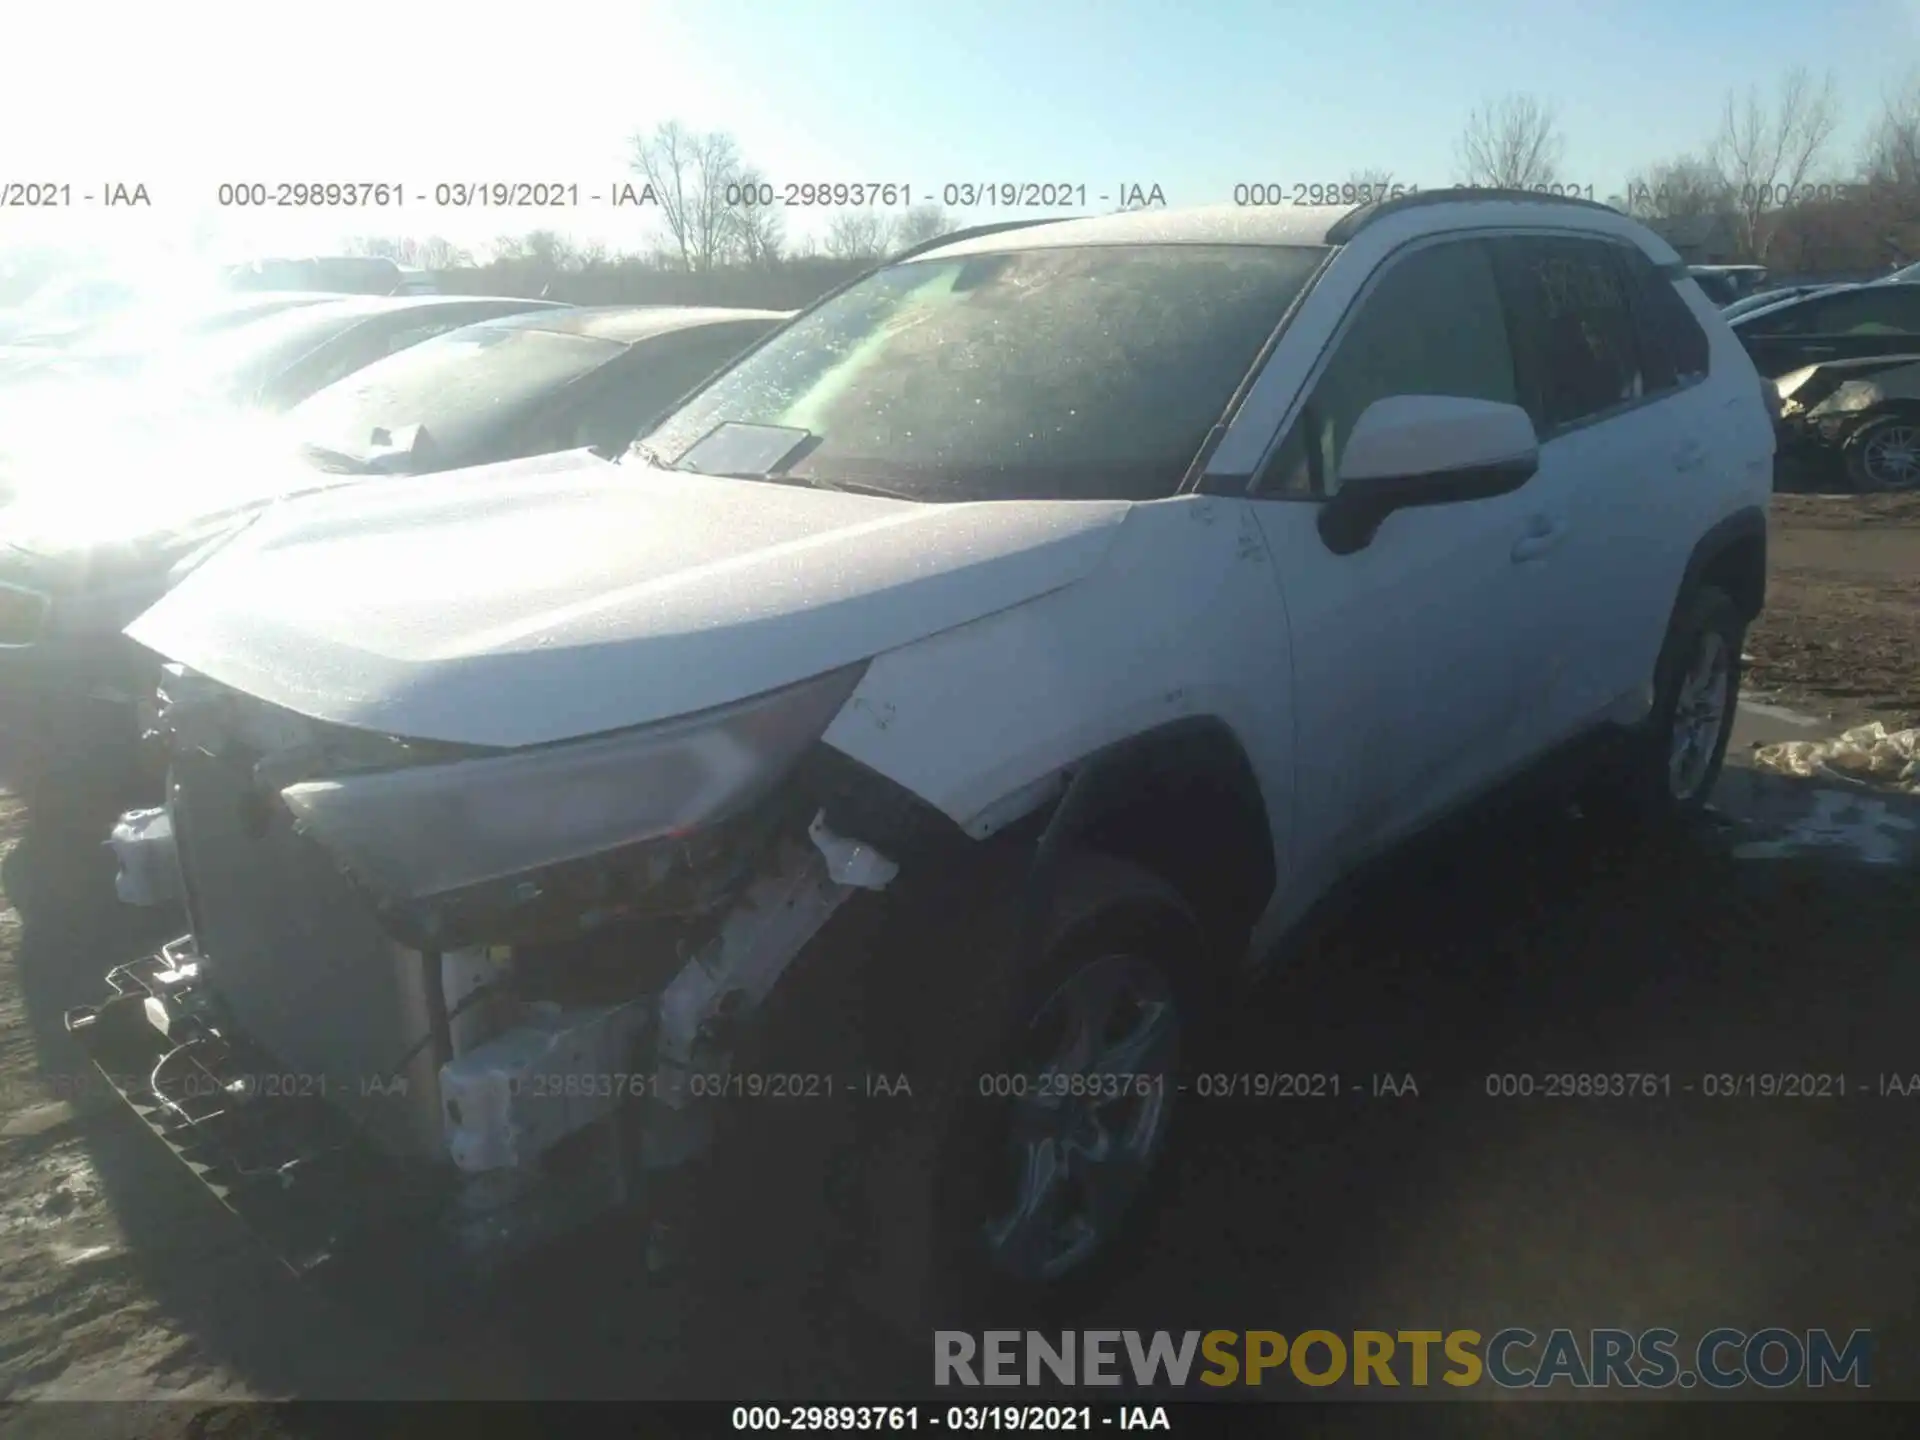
x,y
1673,347
1573,326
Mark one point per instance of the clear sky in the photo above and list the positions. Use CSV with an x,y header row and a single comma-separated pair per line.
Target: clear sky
x,y
1194,96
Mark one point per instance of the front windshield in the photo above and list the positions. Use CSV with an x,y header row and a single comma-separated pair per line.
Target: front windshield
x,y
457,385
1045,374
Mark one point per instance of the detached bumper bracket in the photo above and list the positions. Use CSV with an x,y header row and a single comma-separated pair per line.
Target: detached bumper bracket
x,y
292,1167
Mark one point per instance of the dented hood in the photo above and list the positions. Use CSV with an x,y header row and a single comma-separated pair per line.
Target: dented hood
x,y
565,596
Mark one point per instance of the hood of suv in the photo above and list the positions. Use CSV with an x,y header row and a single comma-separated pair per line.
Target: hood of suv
x,y
565,596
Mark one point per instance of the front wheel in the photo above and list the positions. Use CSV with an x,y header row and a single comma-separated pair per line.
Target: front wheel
x,y
1029,1119
1884,455
1669,767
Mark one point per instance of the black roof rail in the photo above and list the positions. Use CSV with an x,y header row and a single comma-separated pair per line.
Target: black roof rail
x,y
974,232
1354,221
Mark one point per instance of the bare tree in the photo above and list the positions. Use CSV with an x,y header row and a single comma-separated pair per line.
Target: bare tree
x,y
858,234
758,230
550,251
1766,155
1370,185
690,172
439,253
1678,189
1513,143
921,224
1892,155
386,247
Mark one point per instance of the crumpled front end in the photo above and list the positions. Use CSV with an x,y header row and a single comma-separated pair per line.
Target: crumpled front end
x,y
467,998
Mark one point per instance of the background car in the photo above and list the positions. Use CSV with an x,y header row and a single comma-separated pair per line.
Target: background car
x,y
1842,323
107,483
1761,299
1864,412
67,304
1724,284
126,340
524,385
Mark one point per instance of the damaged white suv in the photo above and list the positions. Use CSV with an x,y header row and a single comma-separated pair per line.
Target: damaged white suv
x,y
860,796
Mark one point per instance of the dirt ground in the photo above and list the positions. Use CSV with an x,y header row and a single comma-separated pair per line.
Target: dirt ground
x,y
1527,947
1841,632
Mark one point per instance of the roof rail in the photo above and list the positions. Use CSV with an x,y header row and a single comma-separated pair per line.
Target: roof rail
x,y
974,232
1354,221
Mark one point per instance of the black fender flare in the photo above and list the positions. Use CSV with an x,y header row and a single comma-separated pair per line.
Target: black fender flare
x,y
1744,529
1197,767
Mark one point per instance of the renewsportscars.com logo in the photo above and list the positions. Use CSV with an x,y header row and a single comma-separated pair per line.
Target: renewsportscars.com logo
x,y
1513,1359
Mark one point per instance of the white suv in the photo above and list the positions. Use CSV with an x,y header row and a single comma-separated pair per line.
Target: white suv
x,y
880,775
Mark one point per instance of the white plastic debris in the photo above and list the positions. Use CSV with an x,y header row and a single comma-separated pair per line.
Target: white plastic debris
x,y
1871,753
851,862
143,844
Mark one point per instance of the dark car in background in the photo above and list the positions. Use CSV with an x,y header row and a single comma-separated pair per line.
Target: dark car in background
x,y
1865,413
108,483
1846,322
524,385
1726,284
127,340
1761,299
280,358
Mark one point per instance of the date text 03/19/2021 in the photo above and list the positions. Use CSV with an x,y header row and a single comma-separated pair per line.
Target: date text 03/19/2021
x,y
960,1419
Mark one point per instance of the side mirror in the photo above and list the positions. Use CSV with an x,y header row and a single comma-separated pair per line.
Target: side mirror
x,y
1417,450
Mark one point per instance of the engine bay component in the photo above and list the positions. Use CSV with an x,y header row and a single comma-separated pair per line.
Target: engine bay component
x,y
517,1095
732,973
849,861
142,843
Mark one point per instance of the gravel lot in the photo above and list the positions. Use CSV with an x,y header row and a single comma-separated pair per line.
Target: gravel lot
x,y
1526,948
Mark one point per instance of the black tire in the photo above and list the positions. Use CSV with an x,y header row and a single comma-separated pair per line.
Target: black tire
x,y
1859,452
1636,792
885,1199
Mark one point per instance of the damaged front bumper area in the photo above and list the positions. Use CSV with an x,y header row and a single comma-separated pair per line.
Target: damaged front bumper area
x,y
424,1016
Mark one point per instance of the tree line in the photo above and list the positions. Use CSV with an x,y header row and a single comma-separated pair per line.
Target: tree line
x,y
1767,186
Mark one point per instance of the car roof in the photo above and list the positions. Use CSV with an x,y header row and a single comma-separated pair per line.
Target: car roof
x,y
629,324
1823,292
1312,225
385,304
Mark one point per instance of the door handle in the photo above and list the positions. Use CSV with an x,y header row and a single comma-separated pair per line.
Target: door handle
x,y
1819,349
1543,533
1690,456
